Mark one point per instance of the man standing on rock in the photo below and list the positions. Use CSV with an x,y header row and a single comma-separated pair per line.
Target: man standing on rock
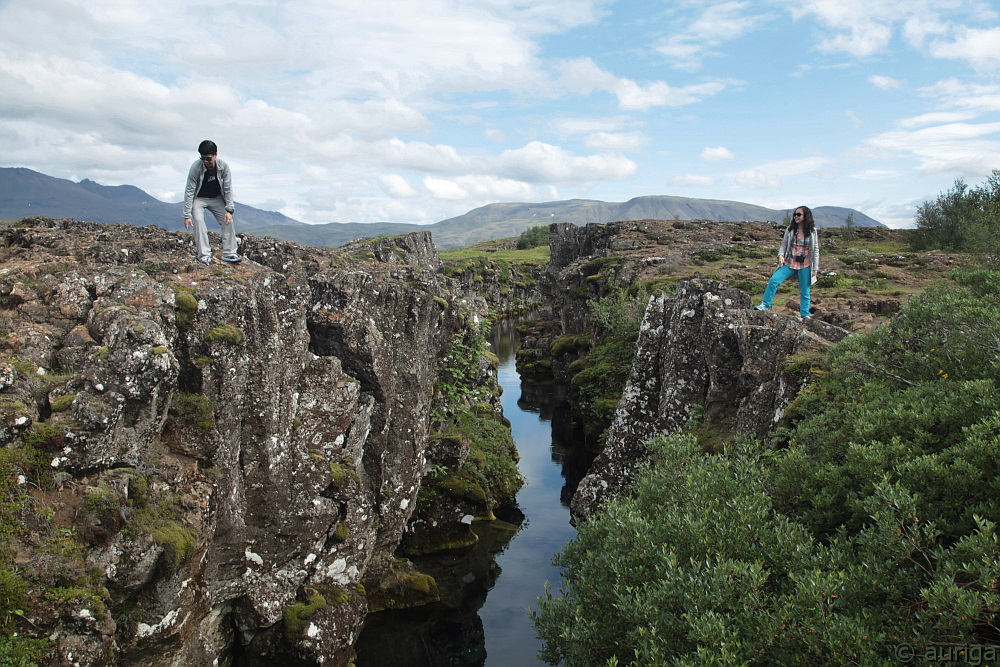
x,y
210,186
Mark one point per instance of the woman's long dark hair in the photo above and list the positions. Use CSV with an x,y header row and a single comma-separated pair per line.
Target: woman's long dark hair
x,y
808,225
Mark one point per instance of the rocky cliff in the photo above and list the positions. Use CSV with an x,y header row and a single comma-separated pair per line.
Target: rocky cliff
x,y
209,465
704,357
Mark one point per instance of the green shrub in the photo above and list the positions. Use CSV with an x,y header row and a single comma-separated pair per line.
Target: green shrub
x,y
698,566
534,237
875,527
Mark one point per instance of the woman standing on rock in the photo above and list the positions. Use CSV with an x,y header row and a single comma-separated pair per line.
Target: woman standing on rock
x,y
799,255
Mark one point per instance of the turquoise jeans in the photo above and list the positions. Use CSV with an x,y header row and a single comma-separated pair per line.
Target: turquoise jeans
x,y
783,273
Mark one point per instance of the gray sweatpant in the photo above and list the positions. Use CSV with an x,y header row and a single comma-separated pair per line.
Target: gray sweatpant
x,y
218,208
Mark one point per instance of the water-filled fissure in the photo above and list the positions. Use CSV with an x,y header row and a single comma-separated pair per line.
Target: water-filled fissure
x,y
482,619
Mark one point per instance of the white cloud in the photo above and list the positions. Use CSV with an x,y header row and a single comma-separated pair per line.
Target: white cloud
x,y
717,153
482,189
693,180
395,185
934,118
614,141
885,82
538,162
421,156
571,126
584,76
443,188
875,175
535,162
757,178
981,48
974,97
958,148
717,24
494,134
770,175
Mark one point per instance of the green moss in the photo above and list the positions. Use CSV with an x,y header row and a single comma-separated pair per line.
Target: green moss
x,y
177,541
600,265
103,352
441,302
340,473
296,615
226,333
201,361
194,409
340,534
102,500
66,598
11,406
460,485
62,403
572,343
159,350
403,587
186,306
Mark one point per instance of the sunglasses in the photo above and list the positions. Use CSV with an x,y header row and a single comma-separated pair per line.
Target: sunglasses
x,y
798,214
207,158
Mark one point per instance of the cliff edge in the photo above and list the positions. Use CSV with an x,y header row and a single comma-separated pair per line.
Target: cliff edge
x,y
204,462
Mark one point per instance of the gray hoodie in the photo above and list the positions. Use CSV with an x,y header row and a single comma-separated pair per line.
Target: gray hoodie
x,y
195,176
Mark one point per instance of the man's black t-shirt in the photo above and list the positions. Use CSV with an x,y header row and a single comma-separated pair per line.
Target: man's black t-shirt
x,y
210,186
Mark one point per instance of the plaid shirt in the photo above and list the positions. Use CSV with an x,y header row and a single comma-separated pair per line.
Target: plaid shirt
x,y
800,248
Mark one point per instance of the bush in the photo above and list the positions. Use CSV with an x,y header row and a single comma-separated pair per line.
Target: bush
x,y
874,528
963,219
698,566
534,237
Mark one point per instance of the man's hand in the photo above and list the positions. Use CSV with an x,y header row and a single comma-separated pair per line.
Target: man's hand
x,y
229,218
187,223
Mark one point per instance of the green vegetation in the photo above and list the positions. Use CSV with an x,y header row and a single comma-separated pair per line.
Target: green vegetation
x,y
489,476
599,376
963,219
533,238
227,333
195,409
62,403
402,587
296,615
186,306
456,261
869,522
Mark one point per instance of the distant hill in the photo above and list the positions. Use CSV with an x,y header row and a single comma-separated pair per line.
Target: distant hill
x,y
25,193
500,220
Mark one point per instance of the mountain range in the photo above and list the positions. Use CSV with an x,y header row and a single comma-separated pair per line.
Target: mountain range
x,y
26,193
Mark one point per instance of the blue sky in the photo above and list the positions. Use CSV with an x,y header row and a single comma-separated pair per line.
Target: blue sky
x,y
420,110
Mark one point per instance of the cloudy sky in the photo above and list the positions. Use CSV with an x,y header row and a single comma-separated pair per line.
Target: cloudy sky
x,y
420,110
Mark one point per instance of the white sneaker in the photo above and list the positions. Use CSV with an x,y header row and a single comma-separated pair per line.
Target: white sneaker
x,y
761,307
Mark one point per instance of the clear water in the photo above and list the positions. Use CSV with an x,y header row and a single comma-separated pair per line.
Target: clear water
x,y
483,617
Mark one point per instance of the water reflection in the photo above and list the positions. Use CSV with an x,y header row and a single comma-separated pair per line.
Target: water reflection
x,y
482,619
